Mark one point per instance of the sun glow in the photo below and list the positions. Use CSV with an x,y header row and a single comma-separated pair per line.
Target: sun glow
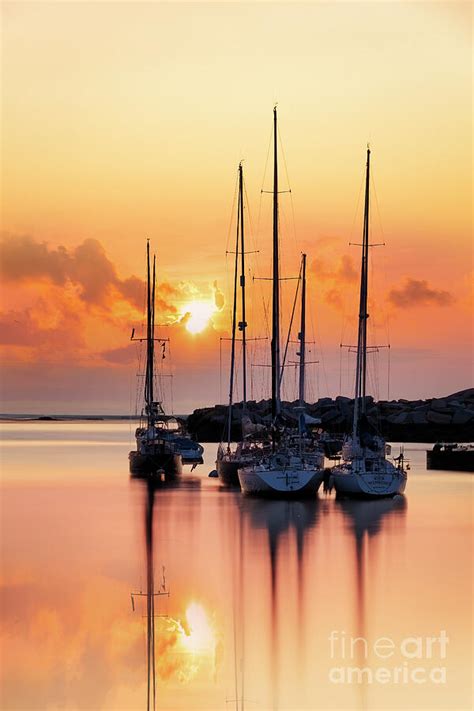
x,y
198,315
200,637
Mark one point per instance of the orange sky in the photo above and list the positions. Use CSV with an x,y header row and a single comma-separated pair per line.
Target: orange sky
x,y
122,121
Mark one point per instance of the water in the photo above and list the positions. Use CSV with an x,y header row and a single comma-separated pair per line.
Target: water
x,y
264,596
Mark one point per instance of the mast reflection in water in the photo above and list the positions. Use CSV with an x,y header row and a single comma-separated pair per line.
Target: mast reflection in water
x,y
267,529
150,594
365,519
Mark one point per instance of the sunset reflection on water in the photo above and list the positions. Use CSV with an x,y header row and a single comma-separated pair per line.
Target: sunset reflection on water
x,y
256,588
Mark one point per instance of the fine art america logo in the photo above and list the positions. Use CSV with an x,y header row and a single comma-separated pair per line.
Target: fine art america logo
x,y
410,660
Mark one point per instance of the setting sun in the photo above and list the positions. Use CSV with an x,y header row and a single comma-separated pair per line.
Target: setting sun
x,y
199,314
200,637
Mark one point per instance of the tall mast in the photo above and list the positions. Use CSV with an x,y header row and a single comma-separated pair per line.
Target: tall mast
x,y
240,241
361,368
149,355
152,342
243,322
302,333
302,348
276,404
234,317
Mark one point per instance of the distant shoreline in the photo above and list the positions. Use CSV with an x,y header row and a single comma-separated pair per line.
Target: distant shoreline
x,y
66,418
28,417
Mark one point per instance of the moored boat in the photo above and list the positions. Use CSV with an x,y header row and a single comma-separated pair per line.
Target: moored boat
x,y
365,470
451,457
287,476
290,465
173,431
155,451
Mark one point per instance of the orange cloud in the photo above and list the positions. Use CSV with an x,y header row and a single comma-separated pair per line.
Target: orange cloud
x,y
343,270
417,292
74,301
334,298
219,298
86,267
21,328
120,356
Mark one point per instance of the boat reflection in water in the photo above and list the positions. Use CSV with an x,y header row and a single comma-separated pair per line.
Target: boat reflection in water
x,y
150,487
273,536
293,586
150,594
365,519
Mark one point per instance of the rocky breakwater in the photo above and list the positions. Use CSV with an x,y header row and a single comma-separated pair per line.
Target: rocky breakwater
x,y
450,418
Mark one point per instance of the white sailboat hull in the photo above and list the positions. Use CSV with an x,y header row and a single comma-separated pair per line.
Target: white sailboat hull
x,y
287,483
354,480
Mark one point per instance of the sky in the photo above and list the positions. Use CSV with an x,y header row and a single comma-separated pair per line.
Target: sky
x,y
123,122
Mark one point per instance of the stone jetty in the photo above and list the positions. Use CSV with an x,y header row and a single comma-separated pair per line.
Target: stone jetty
x,y
449,419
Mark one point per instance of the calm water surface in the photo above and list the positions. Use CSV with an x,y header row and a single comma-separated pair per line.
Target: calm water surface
x,y
264,596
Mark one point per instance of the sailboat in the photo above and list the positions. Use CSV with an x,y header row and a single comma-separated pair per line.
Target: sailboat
x,y
155,449
230,460
285,468
365,471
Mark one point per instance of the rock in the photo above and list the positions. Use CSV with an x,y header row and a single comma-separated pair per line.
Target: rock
x,y
419,416
449,418
462,395
324,401
326,408
437,418
404,418
461,416
393,419
330,416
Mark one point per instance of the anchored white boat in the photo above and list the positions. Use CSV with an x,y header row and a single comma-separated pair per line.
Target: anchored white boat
x,y
282,475
365,470
290,466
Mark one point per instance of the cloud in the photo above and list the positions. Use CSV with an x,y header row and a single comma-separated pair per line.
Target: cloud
x,y
133,291
24,259
93,271
341,271
347,271
85,268
333,298
22,328
219,298
69,306
417,292
120,356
